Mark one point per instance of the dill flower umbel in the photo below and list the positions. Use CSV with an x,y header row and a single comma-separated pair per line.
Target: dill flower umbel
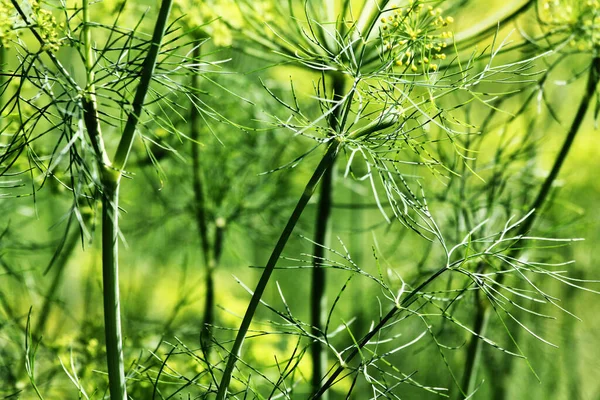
x,y
42,20
47,27
416,35
580,18
7,20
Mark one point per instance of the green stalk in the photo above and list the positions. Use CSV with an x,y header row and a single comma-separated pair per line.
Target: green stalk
x,y
326,163
482,316
2,79
318,299
209,305
474,347
110,226
147,73
200,214
110,282
90,103
111,177
369,14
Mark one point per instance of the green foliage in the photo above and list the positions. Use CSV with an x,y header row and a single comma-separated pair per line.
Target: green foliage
x,y
387,168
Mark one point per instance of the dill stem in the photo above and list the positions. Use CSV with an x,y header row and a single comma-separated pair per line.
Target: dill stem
x,y
325,163
318,298
482,314
200,212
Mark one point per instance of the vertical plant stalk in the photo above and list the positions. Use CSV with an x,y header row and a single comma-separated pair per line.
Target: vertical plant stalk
x,y
326,162
482,315
110,285
318,299
110,225
200,213
110,177
474,348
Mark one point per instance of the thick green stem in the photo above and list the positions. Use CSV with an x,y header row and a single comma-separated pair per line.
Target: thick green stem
x,y
197,178
90,103
369,14
2,78
489,26
110,280
474,350
209,304
110,226
309,190
318,299
111,177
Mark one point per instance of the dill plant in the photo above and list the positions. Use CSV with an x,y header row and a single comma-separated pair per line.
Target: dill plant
x,y
400,39
394,94
399,82
569,29
66,130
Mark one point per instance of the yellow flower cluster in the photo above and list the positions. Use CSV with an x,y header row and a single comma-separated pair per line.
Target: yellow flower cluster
x,y
46,26
7,19
42,19
416,36
580,17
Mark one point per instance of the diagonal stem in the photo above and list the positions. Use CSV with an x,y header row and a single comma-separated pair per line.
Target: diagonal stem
x,y
326,163
411,298
482,316
147,73
408,300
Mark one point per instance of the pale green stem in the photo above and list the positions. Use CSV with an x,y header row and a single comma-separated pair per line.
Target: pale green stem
x,y
489,26
369,15
110,281
110,226
2,78
111,177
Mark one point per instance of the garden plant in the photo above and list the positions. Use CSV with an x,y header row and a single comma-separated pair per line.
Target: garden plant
x,y
235,199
